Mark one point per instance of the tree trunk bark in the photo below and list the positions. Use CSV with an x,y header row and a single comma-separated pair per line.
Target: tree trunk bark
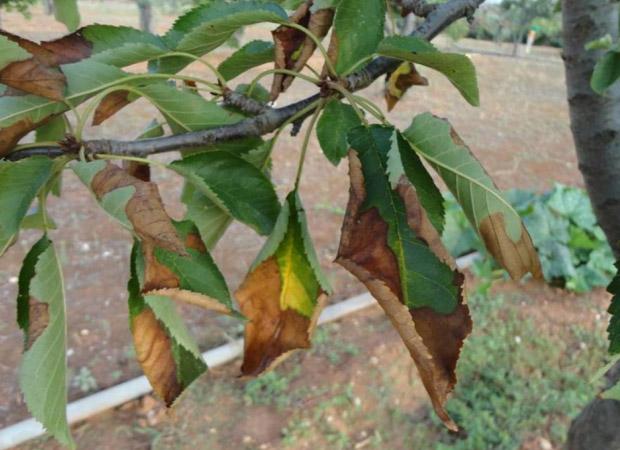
x,y
146,14
595,119
595,123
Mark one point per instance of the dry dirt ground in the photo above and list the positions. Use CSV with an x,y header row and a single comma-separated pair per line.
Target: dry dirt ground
x,y
520,133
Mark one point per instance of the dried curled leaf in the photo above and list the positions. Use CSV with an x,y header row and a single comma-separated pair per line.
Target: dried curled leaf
x,y
399,81
433,339
154,353
110,105
38,75
287,44
283,294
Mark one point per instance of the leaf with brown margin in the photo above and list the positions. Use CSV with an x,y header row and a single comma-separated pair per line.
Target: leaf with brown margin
x,y
283,294
110,105
399,81
143,206
287,42
193,278
167,354
499,225
434,340
37,75
154,353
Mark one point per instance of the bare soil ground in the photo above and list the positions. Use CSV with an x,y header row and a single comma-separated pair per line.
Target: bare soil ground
x,y
521,134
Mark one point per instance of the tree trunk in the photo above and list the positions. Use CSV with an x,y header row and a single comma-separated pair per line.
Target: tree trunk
x,y
595,119
595,123
146,14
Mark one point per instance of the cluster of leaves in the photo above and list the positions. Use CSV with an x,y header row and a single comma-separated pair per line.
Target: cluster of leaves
x,y
391,232
573,250
607,69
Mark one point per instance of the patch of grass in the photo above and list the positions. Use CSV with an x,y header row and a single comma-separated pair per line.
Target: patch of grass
x,y
515,382
271,388
335,350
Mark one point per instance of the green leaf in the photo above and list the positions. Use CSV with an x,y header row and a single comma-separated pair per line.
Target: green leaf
x,y
42,372
10,52
252,54
197,272
52,131
612,393
456,67
335,122
429,195
211,220
613,330
186,111
206,27
122,46
606,72
234,185
489,212
19,184
425,280
358,26
66,11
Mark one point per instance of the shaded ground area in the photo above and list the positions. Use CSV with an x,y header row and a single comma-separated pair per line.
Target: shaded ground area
x,y
520,133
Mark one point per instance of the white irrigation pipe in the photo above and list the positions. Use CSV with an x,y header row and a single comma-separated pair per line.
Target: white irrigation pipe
x,y
129,390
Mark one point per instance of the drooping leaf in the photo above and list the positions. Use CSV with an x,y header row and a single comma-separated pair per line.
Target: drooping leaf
x,y
433,338
498,224
234,185
66,11
409,165
136,204
208,26
283,294
358,29
613,330
335,122
192,278
293,48
168,355
41,315
424,279
456,67
19,184
400,81
252,54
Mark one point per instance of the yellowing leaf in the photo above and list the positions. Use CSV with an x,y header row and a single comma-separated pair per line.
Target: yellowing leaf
x,y
283,294
400,81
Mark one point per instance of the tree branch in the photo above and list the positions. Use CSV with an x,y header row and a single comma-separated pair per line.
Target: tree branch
x,y
418,7
267,119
